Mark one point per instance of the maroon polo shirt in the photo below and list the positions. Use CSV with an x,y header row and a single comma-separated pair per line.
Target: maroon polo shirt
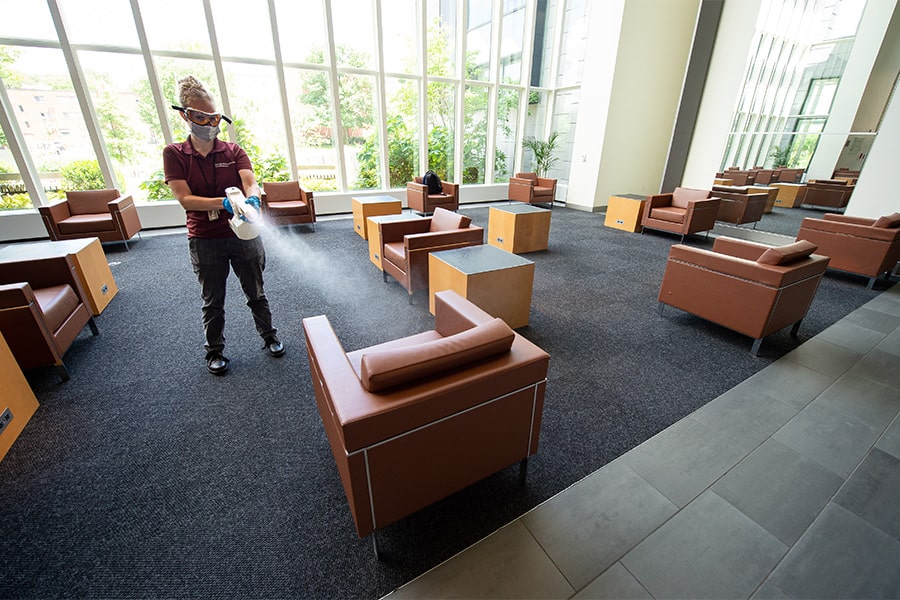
x,y
207,176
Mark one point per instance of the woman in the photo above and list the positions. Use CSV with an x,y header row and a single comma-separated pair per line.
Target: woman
x,y
198,171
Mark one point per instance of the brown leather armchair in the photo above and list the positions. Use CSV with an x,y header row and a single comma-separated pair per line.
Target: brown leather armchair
x,y
415,419
42,310
750,288
869,247
739,176
828,193
405,245
419,200
103,214
528,187
684,211
739,205
287,203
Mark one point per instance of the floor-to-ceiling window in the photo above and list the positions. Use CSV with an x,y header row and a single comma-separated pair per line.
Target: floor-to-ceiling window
x,y
341,94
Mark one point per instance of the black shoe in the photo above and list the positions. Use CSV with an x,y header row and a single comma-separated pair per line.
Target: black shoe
x,y
275,347
216,363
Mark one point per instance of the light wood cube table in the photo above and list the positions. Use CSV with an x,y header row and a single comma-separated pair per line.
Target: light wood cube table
x,y
790,195
625,212
372,206
374,234
90,264
519,228
18,403
764,189
497,281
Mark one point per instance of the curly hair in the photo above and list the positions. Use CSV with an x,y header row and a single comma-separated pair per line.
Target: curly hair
x,y
190,88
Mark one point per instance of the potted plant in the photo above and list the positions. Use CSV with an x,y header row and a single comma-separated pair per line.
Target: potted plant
x,y
543,152
780,156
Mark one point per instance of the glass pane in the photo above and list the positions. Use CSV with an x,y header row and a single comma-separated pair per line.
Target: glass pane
x,y
82,17
354,40
441,102
310,46
507,123
48,113
564,117
542,53
244,30
309,99
475,134
402,130
574,38
511,44
441,38
362,150
534,126
258,118
478,40
176,25
32,20
399,28
133,145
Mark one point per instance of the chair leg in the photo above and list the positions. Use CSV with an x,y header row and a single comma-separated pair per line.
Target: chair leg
x,y
523,470
871,284
410,298
384,276
93,325
796,328
662,305
375,545
754,350
63,372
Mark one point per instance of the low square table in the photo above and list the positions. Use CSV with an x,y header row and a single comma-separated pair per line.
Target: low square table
x,y
372,206
90,264
374,234
790,195
625,211
519,228
497,281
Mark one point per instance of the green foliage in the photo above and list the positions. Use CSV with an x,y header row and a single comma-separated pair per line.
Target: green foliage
x,y
117,130
544,152
156,187
355,92
7,168
271,168
780,156
82,175
14,201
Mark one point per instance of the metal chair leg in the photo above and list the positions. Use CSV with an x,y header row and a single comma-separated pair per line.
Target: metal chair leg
x,y
754,350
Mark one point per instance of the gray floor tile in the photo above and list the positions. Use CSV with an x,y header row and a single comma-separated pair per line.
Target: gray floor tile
x,y
891,343
863,399
873,319
708,550
887,301
879,366
769,591
616,582
852,336
786,381
507,564
829,437
684,459
779,489
873,492
841,556
592,524
890,441
746,417
824,357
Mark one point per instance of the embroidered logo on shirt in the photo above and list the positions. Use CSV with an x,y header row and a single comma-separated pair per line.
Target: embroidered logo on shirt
x,y
224,165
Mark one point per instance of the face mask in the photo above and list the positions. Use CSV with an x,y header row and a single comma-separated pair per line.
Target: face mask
x,y
206,133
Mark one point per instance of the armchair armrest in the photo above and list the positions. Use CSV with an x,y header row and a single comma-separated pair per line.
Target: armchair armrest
x,y
451,189
839,218
521,181
121,203
452,314
431,239
420,188
42,272
545,182
307,196
13,295
395,231
750,270
57,211
739,248
655,200
841,227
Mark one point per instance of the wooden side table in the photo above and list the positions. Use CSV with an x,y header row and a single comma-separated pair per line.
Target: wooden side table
x,y
765,189
497,281
519,228
374,234
18,403
372,206
90,264
624,212
790,195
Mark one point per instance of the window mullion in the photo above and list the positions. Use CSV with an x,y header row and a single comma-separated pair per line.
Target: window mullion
x,y
282,89
152,77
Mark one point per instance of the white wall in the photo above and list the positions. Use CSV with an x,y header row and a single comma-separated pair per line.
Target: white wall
x,y
726,73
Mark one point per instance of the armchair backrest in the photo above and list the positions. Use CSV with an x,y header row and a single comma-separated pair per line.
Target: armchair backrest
x,y
531,176
681,197
86,202
282,191
447,220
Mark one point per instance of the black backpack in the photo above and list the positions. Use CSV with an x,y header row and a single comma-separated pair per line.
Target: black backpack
x,y
433,182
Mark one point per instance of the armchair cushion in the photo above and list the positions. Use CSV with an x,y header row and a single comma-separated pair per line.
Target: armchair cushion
x,y
446,220
888,222
57,303
382,369
787,254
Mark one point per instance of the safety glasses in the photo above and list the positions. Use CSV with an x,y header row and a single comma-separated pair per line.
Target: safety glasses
x,y
202,118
